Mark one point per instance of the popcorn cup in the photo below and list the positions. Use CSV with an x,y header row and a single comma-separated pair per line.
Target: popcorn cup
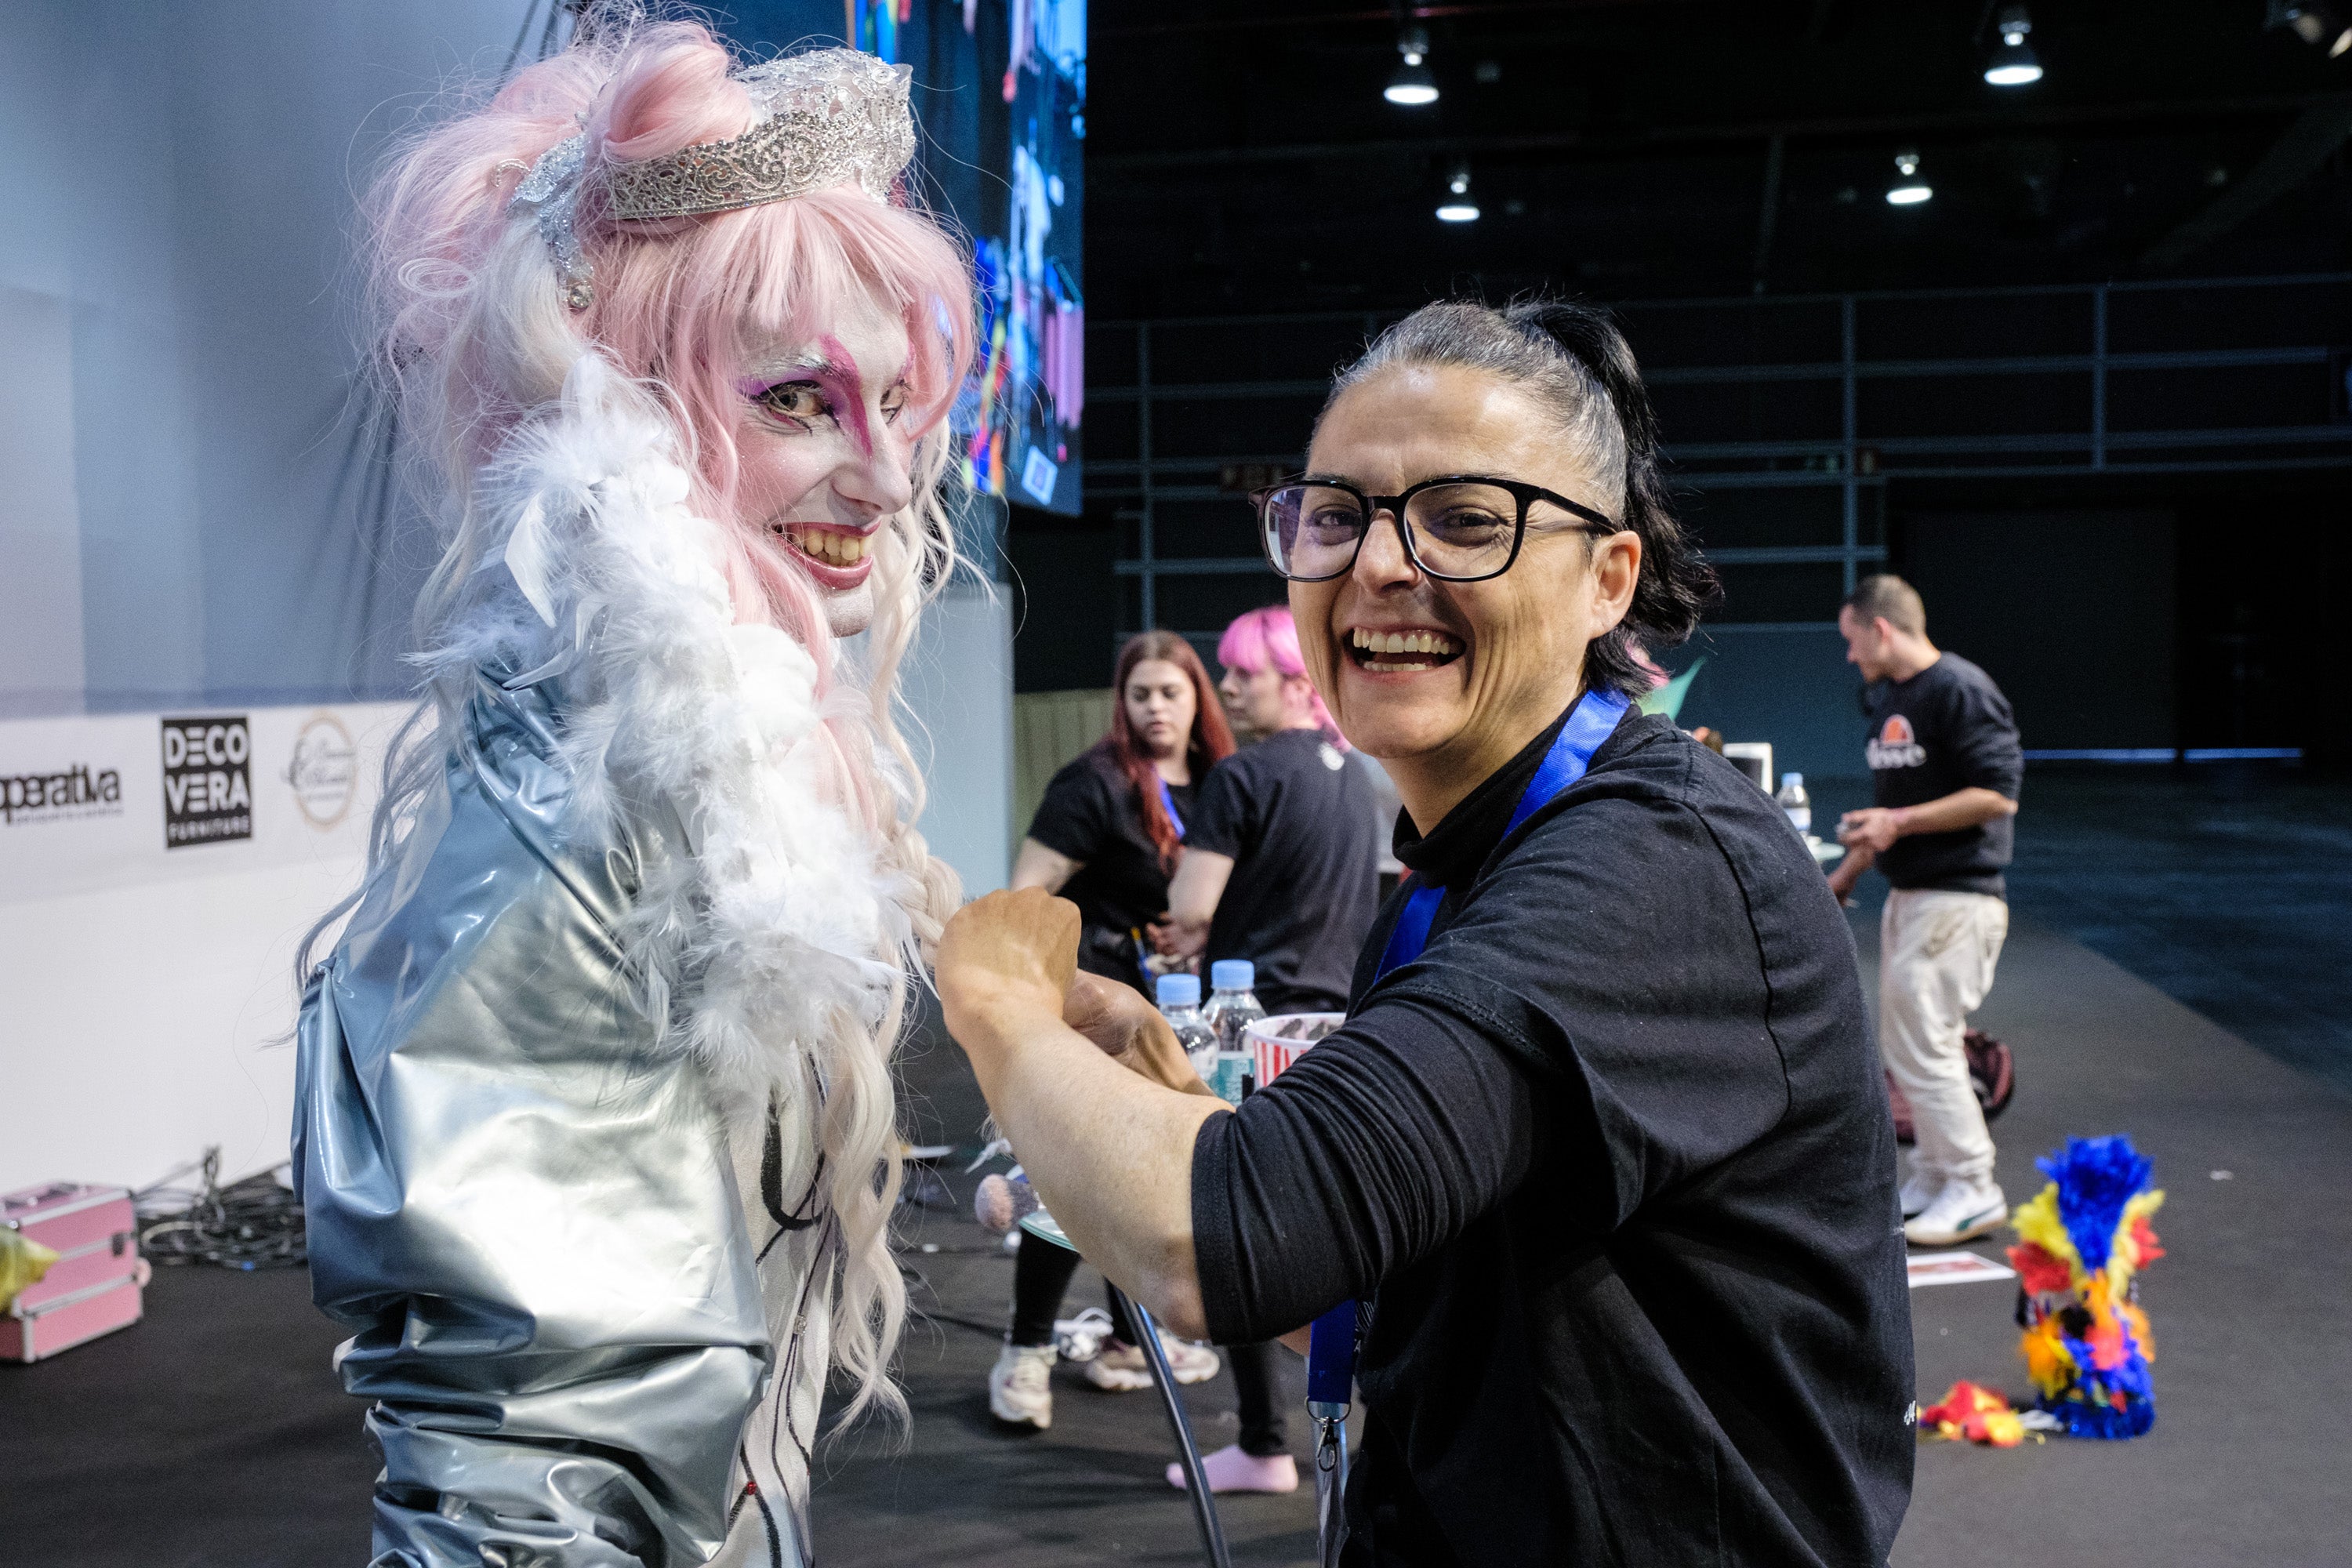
x,y
1273,1052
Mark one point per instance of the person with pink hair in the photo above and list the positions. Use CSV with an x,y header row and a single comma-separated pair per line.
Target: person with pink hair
x,y
1281,867
1266,685
595,1129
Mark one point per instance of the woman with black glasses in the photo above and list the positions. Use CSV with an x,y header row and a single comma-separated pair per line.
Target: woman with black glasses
x,y
1598,1168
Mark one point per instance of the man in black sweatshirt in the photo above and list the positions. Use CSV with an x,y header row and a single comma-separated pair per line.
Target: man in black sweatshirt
x,y
1945,767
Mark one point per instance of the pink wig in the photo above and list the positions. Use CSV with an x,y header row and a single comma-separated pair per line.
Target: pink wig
x,y
1269,637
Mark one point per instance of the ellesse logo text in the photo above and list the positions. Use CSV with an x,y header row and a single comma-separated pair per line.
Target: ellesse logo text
x,y
1894,747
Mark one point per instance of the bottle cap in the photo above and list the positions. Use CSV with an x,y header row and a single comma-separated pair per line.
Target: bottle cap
x,y
1233,974
1792,780
1180,991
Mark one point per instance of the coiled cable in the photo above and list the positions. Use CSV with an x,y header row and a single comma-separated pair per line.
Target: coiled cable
x,y
253,1223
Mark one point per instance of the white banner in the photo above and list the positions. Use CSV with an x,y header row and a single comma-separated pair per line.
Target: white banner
x,y
114,800
157,871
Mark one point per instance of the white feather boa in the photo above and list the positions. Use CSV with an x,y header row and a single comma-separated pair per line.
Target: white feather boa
x,y
771,945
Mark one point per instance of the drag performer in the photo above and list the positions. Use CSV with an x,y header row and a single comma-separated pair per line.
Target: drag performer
x,y
595,1126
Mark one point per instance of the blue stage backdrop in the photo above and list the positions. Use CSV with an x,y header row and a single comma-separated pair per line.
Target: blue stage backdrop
x,y
1000,92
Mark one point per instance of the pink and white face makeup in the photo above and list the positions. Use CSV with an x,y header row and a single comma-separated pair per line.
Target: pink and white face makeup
x,y
825,440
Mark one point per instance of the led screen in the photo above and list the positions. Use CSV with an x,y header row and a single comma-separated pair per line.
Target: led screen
x,y
1000,93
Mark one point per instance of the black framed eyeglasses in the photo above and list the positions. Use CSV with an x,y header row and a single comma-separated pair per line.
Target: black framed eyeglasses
x,y
1460,528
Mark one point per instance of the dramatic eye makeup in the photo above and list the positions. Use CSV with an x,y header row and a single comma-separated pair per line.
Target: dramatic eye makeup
x,y
800,402
825,384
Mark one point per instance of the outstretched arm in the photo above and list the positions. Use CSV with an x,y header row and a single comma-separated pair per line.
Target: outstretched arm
x,y
1380,1143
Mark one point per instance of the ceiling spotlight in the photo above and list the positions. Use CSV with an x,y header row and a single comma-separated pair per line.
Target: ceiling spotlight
x,y
1457,206
2012,64
1908,189
1412,86
2313,21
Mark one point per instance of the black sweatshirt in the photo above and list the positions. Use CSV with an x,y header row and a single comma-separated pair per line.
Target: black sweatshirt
x,y
1612,1163
1946,729
1093,814
1296,818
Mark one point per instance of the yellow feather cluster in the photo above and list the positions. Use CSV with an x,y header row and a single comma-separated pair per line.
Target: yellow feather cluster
x,y
2038,1222
2123,1259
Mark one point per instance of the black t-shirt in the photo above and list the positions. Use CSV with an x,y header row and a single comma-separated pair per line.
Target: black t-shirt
x,y
1092,813
1297,819
1947,727
1614,1165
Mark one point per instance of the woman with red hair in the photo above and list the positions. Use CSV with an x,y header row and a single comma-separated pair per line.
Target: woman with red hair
x,y
1110,833
1108,836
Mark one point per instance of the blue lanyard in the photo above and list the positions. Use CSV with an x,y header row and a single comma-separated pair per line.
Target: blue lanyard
x,y
1168,804
1331,1353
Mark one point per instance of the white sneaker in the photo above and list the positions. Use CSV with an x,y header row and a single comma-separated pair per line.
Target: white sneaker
x,y
1920,1191
1082,1338
1961,1212
1021,1386
1122,1369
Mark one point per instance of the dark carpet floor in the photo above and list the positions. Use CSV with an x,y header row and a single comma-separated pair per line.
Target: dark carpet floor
x,y
2226,886
2229,887
213,1433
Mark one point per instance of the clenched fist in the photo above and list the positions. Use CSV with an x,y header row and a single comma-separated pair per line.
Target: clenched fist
x,y
1006,952
1009,962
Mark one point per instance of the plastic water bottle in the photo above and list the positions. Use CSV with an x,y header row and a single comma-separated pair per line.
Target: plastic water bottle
x,y
1180,1004
1796,802
1233,1007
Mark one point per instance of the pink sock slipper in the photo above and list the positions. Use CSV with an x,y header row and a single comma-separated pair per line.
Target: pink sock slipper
x,y
1231,1470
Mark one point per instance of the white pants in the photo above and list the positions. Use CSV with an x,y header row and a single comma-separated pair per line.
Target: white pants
x,y
1936,956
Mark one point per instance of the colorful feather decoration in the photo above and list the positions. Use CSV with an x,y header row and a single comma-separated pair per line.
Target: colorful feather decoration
x,y
1975,1415
2082,1241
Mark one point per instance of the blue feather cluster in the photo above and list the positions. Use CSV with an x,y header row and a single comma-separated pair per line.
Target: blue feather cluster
x,y
2103,1421
2096,1177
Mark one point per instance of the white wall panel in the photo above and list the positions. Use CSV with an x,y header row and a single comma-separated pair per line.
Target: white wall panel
x,y
959,680
40,526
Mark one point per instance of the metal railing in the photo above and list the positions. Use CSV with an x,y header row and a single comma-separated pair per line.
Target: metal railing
x,y
1846,461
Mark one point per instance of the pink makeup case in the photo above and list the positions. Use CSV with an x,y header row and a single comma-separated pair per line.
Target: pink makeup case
x,y
93,1288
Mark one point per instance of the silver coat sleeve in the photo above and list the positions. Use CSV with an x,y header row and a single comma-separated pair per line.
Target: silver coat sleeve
x,y
523,1205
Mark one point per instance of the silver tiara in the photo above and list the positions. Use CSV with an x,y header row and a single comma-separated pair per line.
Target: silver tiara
x,y
828,117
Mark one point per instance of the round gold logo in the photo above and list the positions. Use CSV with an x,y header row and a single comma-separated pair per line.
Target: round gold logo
x,y
324,774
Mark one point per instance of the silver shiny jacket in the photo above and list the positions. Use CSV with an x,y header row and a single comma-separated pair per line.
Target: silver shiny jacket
x,y
528,1212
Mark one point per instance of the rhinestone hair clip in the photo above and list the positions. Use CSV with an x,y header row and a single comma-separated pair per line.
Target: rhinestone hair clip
x,y
829,118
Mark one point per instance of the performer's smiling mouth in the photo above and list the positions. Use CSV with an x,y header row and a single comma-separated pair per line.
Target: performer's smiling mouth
x,y
835,557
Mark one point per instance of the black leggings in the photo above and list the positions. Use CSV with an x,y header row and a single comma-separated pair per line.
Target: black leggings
x,y
1041,1277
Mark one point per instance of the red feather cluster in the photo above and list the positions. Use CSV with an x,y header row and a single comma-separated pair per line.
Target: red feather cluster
x,y
2038,1271
1975,1413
